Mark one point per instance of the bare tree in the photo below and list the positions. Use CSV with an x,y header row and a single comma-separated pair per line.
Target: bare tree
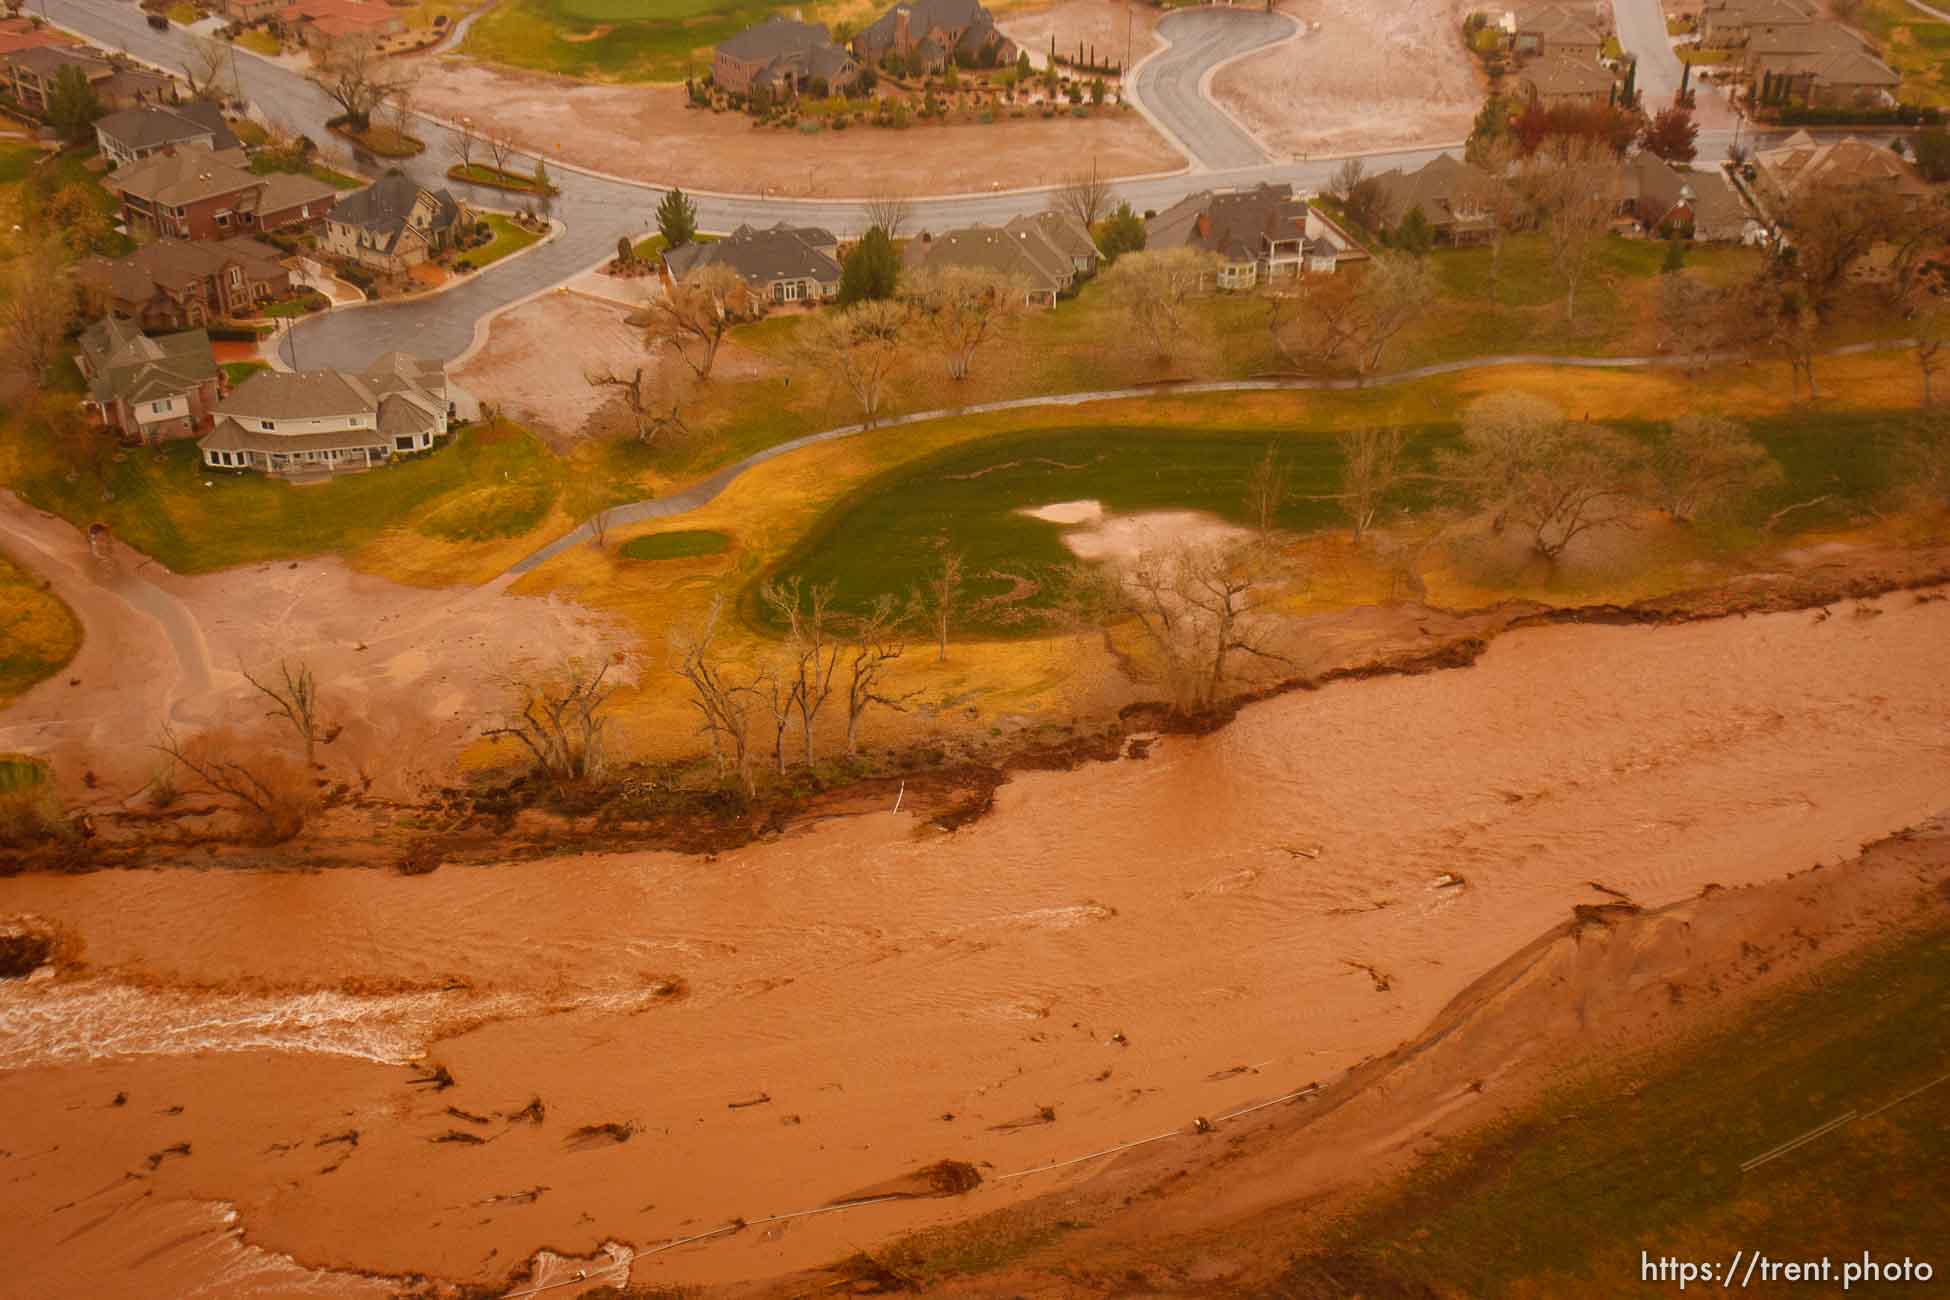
x,y
1084,195
1153,291
812,650
400,104
1347,178
1931,329
559,720
1501,202
1779,314
36,305
1394,292
937,601
272,798
1830,229
1573,186
962,308
358,79
1522,460
1266,488
860,348
650,421
205,61
887,213
500,145
1925,460
1349,319
296,701
462,141
724,707
777,689
1200,608
701,309
1689,312
873,644
1702,463
1371,469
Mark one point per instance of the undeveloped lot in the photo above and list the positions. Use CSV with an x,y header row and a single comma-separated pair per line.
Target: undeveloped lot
x,y
607,127
1371,77
1112,28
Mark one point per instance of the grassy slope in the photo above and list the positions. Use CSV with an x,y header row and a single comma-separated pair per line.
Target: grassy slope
x,y
39,634
641,40
1915,44
1562,1200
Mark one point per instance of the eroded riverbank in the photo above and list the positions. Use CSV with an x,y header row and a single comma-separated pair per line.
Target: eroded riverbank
x,y
1103,949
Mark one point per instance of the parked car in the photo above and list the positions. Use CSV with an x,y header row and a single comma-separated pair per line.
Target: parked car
x,y
159,21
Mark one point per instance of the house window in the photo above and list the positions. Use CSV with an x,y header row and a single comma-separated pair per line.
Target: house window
x,y
223,219
159,408
403,444
236,277
272,425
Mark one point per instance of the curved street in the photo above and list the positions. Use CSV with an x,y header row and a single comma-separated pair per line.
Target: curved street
x,y
595,210
1170,85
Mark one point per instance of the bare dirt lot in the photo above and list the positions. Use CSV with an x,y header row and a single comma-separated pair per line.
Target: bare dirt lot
x,y
412,672
606,127
1372,77
539,356
1113,951
1111,27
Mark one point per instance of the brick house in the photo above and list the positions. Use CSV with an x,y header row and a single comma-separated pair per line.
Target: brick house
x,y
393,223
783,57
326,26
200,194
781,264
934,32
175,284
329,421
149,390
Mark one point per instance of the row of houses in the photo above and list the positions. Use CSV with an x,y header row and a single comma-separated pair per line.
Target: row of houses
x,y
1789,43
28,73
784,57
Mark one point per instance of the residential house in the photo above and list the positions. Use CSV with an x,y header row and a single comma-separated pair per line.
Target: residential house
x,y
28,75
1665,202
321,421
782,57
20,33
327,26
134,133
1728,24
780,264
1449,192
177,284
1782,174
394,223
148,389
1042,252
927,34
1260,234
1555,81
204,194
247,13
1823,63
1571,30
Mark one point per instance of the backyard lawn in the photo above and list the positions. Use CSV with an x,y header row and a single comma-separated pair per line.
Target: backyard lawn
x,y
613,40
38,632
1915,44
508,238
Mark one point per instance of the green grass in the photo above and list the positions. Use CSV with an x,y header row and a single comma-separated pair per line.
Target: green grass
x,y
648,40
1915,44
295,305
1562,1200
39,634
648,250
16,161
162,507
19,772
508,238
238,371
1694,55
886,535
259,41
681,545
482,174
264,164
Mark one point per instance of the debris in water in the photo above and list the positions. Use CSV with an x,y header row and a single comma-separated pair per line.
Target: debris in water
x,y
1450,880
157,1157
591,1136
1603,888
120,1099
440,1079
468,1115
458,1135
533,1113
350,1138
1382,980
760,1100
1043,1115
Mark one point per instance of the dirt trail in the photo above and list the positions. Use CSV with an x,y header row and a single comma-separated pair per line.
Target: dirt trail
x,y
408,671
1107,946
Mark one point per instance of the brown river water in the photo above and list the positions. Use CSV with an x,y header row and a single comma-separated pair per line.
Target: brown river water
x,y
1110,945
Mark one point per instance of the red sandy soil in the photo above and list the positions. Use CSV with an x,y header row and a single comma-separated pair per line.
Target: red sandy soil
x,y
415,670
1374,76
1108,945
522,369
605,127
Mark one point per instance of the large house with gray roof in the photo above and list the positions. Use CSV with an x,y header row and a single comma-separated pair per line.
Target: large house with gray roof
x,y
783,58
328,421
925,35
1045,252
177,284
1259,234
780,264
134,133
148,389
394,223
1448,192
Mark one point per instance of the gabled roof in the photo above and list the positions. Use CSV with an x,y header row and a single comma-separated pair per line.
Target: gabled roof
x,y
181,176
1759,13
1557,74
47,60
775,36
1560,24
760,256
1805,38
925,16
147,128
1232,223
130,366
175,263
1803,160
1022,253
303,395
1444,187
384,208
1063,232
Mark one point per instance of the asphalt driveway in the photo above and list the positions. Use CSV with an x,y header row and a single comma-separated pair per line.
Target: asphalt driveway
x,y
1170,86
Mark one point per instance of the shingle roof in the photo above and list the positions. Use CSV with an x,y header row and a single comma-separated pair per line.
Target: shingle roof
x,y
384,207
1559,75
775,36
228,435
1803,161
176,262
760,256
146,128
132,367
181,176
304,395
1023,253
46,60
1444,188
1231,223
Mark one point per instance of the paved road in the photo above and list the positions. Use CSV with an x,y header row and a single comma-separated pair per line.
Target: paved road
x,y
1170,86
1642,31
596,209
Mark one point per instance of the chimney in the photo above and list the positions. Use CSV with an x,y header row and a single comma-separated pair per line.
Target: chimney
x,y
900,29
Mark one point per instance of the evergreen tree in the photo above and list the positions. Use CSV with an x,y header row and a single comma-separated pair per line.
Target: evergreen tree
x,y
872,270
72,106
1119,233
677,219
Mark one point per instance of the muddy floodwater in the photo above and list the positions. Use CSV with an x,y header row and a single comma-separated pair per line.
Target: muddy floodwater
x,y
787,1025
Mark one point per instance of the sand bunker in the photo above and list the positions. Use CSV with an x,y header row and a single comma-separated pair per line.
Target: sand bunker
x,y
1126,537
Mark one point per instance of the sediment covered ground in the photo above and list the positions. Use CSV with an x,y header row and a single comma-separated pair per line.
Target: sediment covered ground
x,y
794,1023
